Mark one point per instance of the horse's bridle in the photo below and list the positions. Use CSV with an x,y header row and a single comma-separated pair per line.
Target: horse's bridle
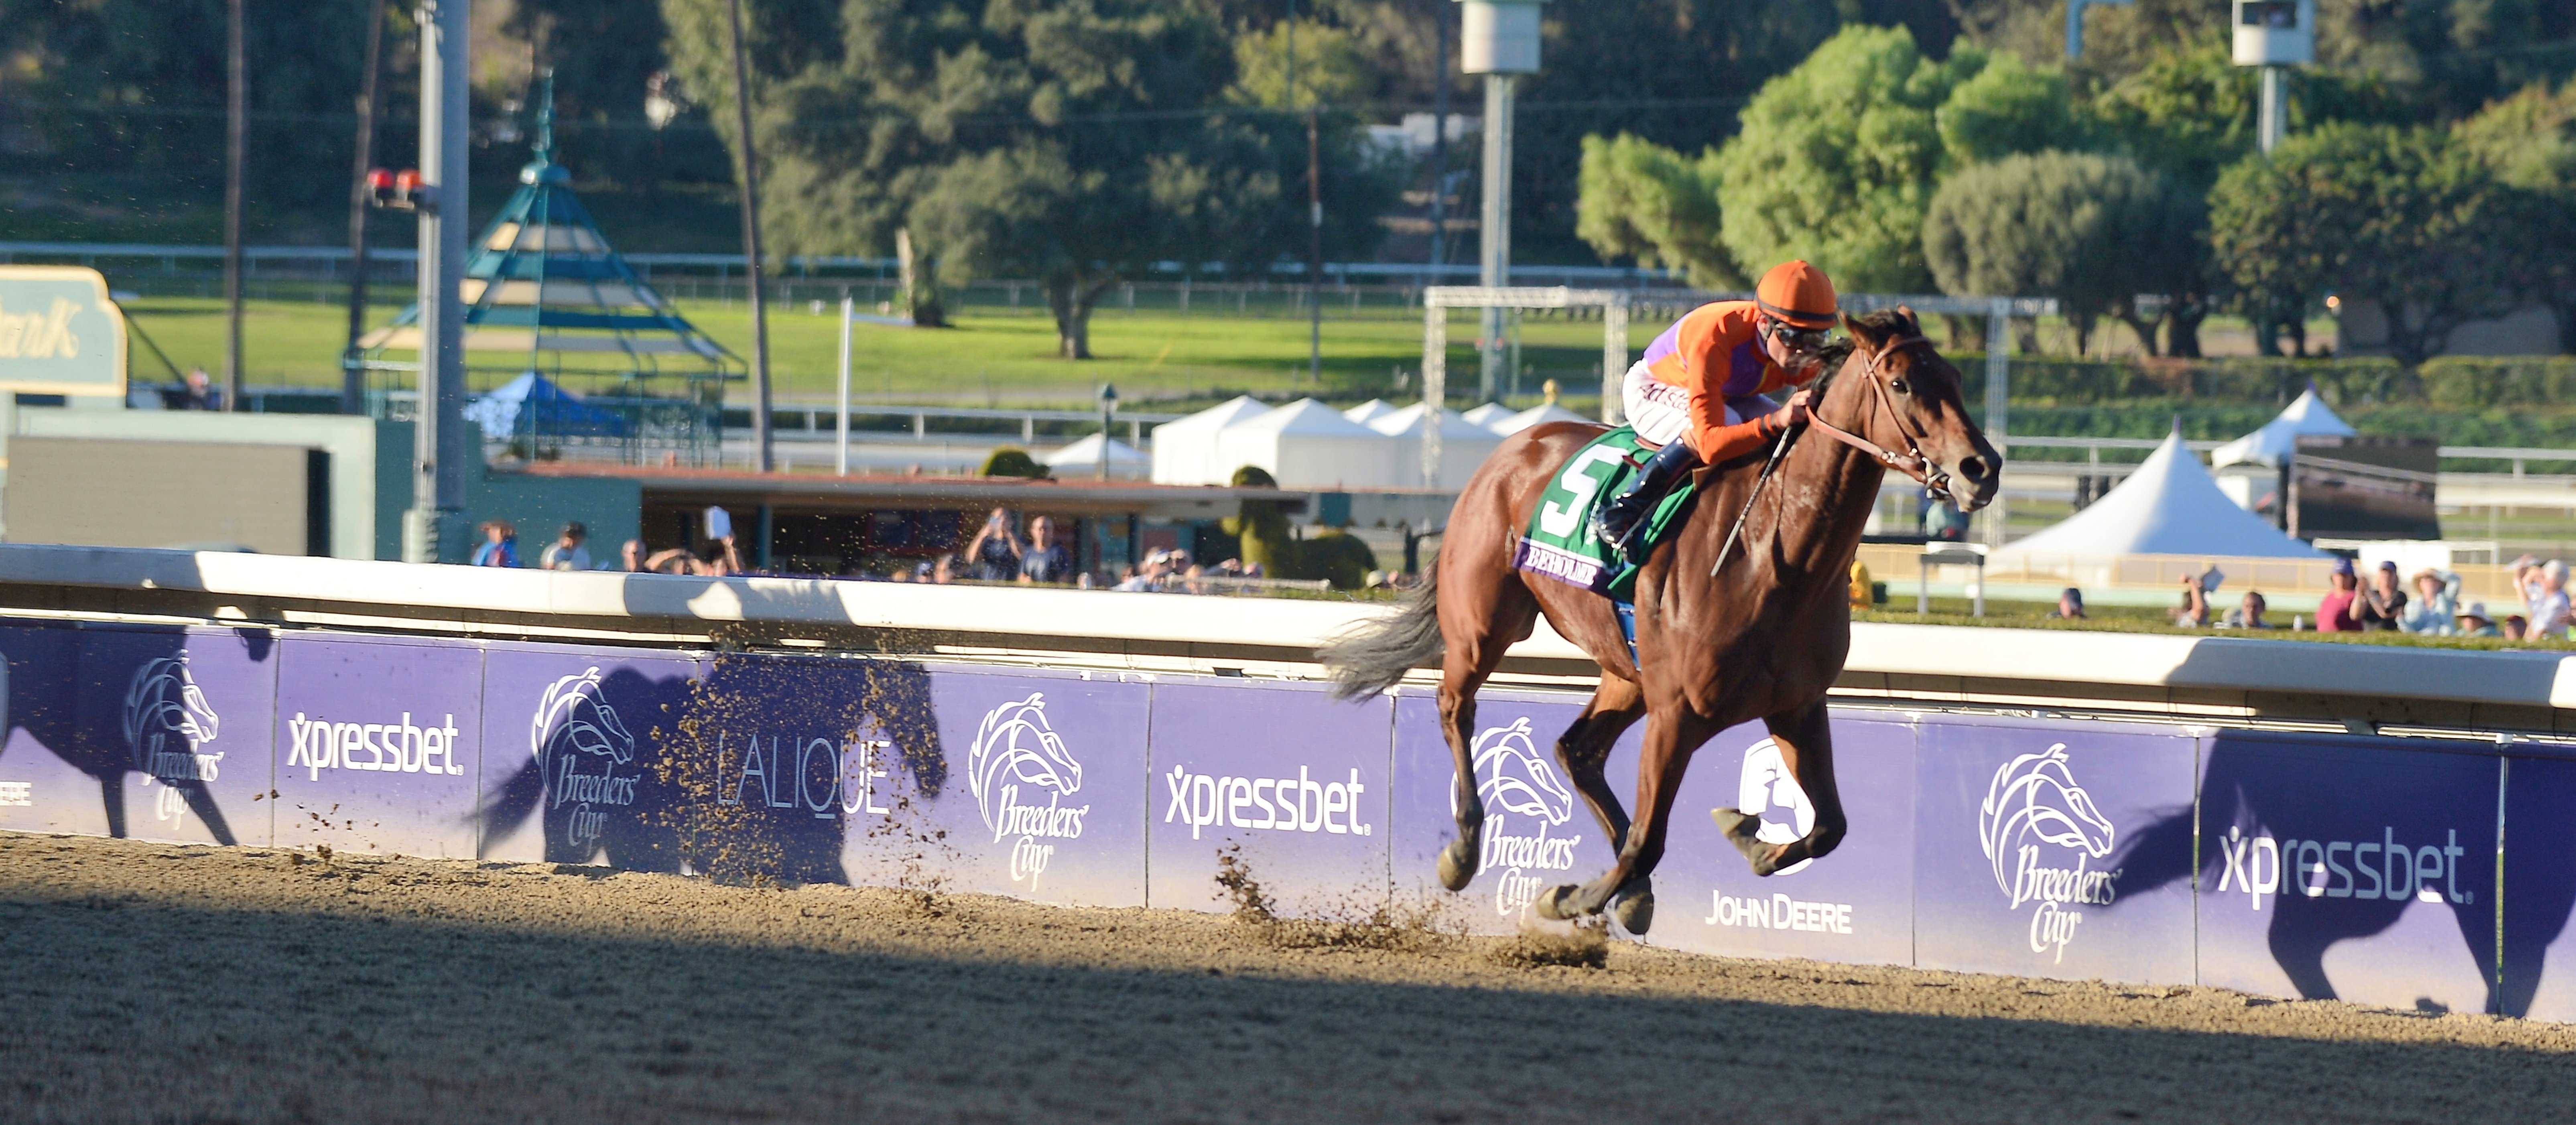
x,y
1912,462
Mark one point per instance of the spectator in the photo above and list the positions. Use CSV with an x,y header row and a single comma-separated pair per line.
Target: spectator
x,y
1046,560
1860,587
2383,604
2473,622
1130,580
568,552
2194,611
899,574
500,545
2337,612
631,557
2437,603
202,394
2514,627
2549,610
940,572
995,552
2248,613
2070,605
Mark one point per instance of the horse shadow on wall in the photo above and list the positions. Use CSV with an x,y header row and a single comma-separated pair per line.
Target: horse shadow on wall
x,y
2299,834
744,768
117,701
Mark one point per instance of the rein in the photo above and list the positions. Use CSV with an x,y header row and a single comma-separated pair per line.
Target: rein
x,y
1912,462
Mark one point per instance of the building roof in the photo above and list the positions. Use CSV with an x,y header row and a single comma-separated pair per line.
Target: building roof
x,y
2169,506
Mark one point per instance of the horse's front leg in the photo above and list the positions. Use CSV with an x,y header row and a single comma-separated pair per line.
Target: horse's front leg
x,y
1671,738
1806,741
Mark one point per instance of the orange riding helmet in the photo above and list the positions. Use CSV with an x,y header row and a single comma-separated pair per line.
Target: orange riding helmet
x,y
1798,295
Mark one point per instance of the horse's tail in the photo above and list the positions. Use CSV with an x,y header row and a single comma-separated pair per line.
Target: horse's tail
x,y
1371,657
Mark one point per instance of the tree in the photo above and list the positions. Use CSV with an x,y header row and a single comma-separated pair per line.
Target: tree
x,y
1640,200
1079,143
1836,159
2089,230
2528,143
2009,108
2407,218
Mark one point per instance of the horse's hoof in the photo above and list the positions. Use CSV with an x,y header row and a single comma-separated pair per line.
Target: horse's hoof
x,y
1739,829
1556,904
1636,912
1457,865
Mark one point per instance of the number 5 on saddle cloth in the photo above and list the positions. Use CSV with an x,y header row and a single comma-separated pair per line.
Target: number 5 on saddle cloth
x,y
1560,543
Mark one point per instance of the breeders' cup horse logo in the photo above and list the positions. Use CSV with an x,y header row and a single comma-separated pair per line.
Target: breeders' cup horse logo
x,y
1513,777
1770,792
1018,757
2034,800
572,718
167,722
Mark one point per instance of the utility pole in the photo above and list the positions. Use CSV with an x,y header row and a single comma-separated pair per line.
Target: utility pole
x,y
236,154
1314,254
353,380
1439,145
1500,40
434,528
761,436
2274,35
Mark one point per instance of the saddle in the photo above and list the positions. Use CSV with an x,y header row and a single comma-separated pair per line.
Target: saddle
x,y
1560,542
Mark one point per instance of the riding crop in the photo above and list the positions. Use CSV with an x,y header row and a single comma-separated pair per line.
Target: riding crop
x,y
1777,448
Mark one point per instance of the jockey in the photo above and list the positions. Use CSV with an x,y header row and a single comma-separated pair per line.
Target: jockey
x,y
1698,392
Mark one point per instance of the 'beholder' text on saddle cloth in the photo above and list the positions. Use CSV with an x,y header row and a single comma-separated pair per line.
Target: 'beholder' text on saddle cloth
x,y
1560,542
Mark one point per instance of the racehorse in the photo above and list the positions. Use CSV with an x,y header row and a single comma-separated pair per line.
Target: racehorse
x,y
1740,614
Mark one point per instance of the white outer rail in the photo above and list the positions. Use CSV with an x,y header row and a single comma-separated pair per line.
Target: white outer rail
x,y
2132,661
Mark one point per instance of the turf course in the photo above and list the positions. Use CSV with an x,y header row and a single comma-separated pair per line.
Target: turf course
x,y
1000,360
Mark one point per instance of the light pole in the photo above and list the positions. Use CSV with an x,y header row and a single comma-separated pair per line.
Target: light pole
x,y
2274,35
1498,39
761,437
434,528
1108,407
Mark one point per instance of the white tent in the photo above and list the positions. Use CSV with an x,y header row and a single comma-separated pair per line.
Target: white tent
x,y
1185,448
1082,459
1305,444
2279,438
1369,411
2170,506
1488,415
1464,446
1547,412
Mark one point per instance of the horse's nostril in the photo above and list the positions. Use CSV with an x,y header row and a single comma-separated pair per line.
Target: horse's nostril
x,y
1973,468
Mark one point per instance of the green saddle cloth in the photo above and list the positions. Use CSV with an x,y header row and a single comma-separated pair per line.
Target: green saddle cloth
x,y
1560,542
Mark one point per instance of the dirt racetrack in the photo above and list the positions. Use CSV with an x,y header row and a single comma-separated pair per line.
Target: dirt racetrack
x,y
142,982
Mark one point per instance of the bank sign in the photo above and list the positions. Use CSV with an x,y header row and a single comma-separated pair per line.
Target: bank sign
x,y
60,334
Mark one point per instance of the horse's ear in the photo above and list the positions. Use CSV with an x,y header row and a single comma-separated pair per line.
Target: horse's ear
x,y
1857,330
1913,323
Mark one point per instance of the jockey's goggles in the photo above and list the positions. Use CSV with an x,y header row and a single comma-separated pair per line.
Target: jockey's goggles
x,y
1800,341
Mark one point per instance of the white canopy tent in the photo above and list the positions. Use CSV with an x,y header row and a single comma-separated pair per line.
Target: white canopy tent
x,y
1369,411
1464,446
1307,444
1082,459
1487,415
1185,448
2279,438
2170,506
1546,412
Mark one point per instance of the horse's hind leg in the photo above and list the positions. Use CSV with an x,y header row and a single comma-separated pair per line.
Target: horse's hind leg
x,y
111,794
1671,738
1585,748
1481,617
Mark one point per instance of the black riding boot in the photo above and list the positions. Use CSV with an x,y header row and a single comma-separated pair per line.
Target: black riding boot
x,y
1622,522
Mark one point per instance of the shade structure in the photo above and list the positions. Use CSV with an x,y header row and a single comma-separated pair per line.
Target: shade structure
x,y
1369,411
1082,459
1487,415
1307,444
1546,412
533,406
2170,506
1185,448
1464,446
2279,438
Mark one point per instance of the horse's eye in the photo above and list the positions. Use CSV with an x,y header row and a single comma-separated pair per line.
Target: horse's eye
x,y
1897,384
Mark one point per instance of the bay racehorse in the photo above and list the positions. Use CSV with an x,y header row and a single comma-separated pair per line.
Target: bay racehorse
x,y
1740,615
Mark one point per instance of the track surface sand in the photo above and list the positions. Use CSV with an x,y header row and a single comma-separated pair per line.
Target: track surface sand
x,y
163,983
